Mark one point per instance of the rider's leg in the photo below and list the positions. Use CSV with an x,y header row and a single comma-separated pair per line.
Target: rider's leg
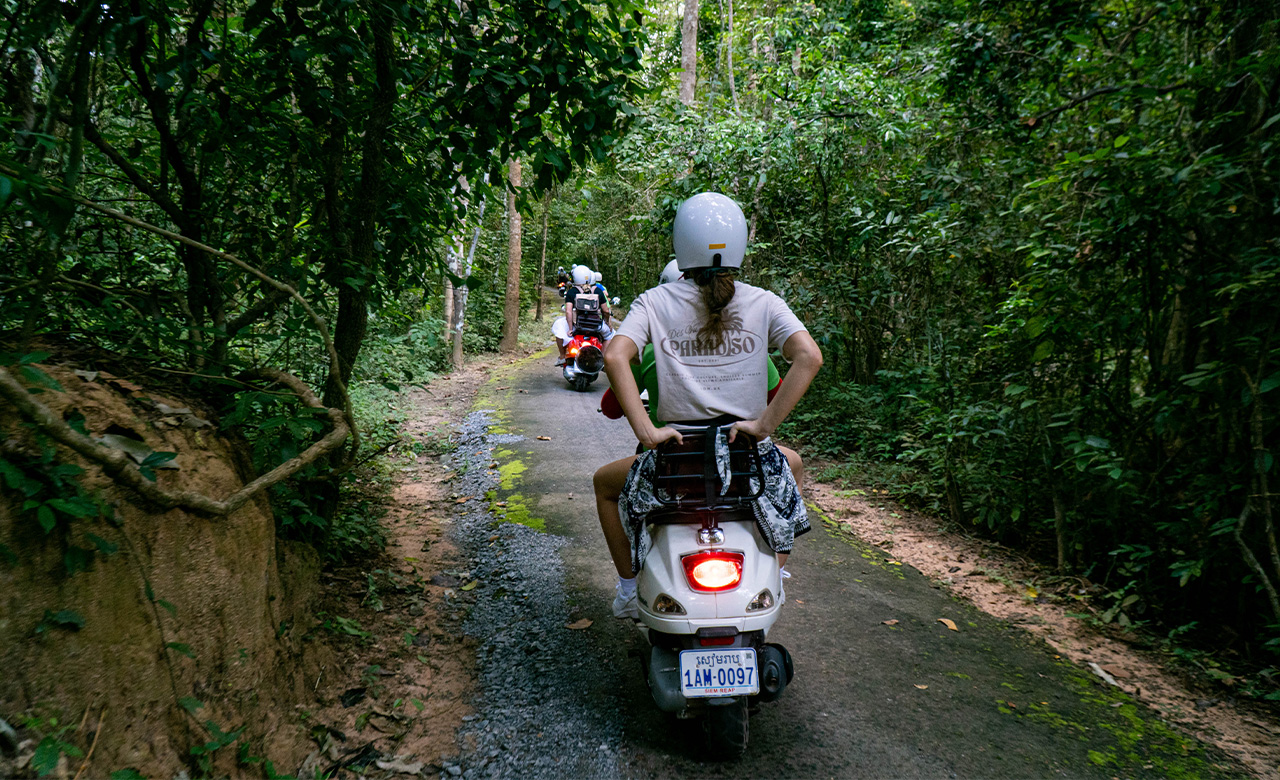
x,y
796,464
797,470
609,481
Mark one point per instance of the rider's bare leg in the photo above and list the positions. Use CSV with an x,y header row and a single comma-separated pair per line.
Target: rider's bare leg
x,y
609,481
796,463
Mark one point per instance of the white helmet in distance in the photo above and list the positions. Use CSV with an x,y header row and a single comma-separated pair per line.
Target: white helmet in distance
x,y
597,277
671,273
709,232
581,274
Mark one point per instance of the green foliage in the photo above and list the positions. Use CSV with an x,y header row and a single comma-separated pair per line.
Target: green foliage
x,y
323,142
341,626
50,493
218,739
1037,245
51,747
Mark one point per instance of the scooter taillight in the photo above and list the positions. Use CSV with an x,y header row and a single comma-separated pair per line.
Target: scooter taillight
x,y
713,571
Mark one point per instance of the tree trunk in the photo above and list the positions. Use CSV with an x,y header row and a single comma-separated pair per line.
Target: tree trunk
x,y
447,297
511,308
353,300
460,292
728,46
689,52
1060,530
542,264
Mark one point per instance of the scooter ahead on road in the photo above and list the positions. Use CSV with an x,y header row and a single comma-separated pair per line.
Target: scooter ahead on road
x,y
584,353
710,588
584,357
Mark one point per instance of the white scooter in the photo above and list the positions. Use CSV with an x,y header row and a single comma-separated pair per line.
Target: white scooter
x,y
710,589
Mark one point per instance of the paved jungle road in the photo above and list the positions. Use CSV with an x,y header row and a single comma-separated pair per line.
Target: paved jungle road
x,y
914,699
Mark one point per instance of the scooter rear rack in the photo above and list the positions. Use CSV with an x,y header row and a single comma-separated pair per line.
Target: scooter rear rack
x,y
687,479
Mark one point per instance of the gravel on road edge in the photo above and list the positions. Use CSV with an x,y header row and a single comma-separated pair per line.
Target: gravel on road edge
x,y
533,714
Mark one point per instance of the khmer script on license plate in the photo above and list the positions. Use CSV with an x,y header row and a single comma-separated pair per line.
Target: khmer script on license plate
x,y
728,672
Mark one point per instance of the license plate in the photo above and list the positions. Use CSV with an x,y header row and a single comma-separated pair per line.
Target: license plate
x,y
730,672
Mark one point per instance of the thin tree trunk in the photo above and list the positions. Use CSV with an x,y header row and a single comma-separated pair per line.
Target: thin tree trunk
x,y
460,292
542,264
728,45
448,308
511,308
453,263
689,52
1060,530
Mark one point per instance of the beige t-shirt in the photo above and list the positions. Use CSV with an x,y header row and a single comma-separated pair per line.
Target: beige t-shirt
x,y
696,381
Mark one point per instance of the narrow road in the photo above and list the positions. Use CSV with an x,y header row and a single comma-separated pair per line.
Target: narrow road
x,y
871,697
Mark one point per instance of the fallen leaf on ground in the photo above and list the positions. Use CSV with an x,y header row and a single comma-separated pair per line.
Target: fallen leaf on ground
x,y
895,563
578,625
470,585
889,622
923,687
463,500
401,765
544,438
493,538
493,465
505,387
951,624
799,601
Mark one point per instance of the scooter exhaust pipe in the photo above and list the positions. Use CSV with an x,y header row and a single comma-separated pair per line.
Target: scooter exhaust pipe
x,y
590,359
776,670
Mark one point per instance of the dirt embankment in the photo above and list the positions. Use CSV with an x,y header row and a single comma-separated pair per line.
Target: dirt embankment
x,y
152,640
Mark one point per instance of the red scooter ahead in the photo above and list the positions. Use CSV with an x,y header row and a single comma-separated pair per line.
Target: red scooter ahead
x,y
584,354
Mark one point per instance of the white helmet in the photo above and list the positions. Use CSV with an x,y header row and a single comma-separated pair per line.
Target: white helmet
x,y
671,273
581,274
597,277
709,232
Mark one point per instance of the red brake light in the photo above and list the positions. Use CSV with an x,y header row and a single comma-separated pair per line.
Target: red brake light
x,y
713,571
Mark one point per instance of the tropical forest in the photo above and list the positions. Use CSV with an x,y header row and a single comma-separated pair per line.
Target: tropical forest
x,y
244,244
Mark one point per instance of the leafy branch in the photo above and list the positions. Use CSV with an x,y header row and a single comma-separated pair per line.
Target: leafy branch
x,y
120,468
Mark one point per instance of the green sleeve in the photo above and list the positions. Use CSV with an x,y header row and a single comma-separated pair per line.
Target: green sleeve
x,y
647,379
773,373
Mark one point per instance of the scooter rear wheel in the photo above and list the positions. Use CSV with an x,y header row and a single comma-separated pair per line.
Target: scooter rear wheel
x,y
580,383
727,729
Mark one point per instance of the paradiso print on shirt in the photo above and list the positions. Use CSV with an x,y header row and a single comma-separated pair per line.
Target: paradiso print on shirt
x,y
730,365
685,346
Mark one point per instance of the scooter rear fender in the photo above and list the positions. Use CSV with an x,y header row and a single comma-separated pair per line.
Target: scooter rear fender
x,y
663,573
